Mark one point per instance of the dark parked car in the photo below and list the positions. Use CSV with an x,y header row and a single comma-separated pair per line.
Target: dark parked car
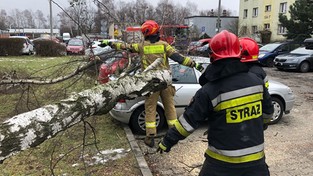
x,y
269,51
300,59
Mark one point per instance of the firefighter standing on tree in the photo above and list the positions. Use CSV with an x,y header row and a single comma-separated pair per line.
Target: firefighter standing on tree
x,y
234,102
149,50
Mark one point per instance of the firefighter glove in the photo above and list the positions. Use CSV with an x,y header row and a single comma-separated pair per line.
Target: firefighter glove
x,y
199,67
105,43
163,147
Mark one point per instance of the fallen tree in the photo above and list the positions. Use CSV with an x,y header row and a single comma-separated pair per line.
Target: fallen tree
x,y
34,127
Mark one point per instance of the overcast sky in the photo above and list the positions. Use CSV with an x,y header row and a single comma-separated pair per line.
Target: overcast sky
x,y
43,5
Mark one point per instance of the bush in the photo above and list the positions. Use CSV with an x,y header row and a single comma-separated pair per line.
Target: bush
x,y
11,46
46,47
266,36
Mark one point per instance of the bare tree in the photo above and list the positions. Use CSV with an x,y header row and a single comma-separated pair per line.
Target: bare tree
x,y
28,16
41,21
3,19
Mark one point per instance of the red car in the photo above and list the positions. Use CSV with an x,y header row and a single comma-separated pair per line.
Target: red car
x,y
195,48
112,66
75,46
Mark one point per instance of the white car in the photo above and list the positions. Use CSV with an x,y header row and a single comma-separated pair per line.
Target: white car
x,y
28,46
185,80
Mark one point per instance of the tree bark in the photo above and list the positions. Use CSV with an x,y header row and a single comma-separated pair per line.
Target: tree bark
x,y
34,127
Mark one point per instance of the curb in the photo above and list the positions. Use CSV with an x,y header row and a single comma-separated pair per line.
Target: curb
x,y
142,163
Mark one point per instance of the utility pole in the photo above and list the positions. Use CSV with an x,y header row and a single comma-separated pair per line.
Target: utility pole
x,y
51,28
218,22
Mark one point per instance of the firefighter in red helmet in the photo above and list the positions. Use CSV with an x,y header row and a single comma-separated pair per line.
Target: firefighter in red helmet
x,y
233,102
249,55
149,50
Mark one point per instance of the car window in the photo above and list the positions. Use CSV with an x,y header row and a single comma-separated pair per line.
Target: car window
x,y
183,74
284,48
269,47
302,50
75,43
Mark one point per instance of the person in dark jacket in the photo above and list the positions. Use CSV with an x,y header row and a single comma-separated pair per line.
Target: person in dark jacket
x,y
249,55
234,102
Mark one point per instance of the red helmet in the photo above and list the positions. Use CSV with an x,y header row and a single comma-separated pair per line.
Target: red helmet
x,y
249,50
149,27
224,45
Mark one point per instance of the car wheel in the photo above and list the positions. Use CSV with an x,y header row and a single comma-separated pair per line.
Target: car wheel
x,y
137,120
278,110
304,67
270,62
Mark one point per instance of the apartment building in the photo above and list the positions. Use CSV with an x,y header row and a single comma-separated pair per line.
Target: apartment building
x,y
258,15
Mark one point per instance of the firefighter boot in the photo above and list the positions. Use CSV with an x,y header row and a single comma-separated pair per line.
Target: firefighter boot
x,y
149,141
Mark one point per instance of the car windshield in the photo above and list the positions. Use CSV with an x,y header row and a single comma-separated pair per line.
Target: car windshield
x,y
302,50
183,74
75,43
270,47
195,44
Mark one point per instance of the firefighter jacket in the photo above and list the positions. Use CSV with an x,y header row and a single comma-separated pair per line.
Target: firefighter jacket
x,y
149,52
258,70
233,102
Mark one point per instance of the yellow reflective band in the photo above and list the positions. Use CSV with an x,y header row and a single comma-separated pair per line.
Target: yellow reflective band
x,y
153,49
169,48
238,101
144,62
171,122
162,146
135,47
255,57
243,113
150,124
267,84
186,61
118,46
240,159
181,129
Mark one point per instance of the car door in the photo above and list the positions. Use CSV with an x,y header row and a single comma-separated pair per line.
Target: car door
x,y
186,85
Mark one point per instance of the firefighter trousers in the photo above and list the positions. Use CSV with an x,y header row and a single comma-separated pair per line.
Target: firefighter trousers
x,y
212,169
167,97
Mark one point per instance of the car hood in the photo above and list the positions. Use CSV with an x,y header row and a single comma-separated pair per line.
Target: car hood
x,y
276,87
263,52
74,47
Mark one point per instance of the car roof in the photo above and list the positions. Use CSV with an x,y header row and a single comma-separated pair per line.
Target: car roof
x,y
25,37
205,40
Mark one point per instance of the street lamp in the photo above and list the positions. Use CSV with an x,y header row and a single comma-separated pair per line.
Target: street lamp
x,y
218,22
51,30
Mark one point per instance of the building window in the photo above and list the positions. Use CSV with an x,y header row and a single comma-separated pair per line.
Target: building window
x,y
255,12
281,29
283,7
245,13
254,29
268,8
266,26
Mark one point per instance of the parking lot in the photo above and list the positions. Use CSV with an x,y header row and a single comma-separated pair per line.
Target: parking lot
x,y
289,144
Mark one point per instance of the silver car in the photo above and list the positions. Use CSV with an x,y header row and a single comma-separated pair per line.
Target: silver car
x,y
185,80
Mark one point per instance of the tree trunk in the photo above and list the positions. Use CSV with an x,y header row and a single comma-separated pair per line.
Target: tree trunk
x,y
34,127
